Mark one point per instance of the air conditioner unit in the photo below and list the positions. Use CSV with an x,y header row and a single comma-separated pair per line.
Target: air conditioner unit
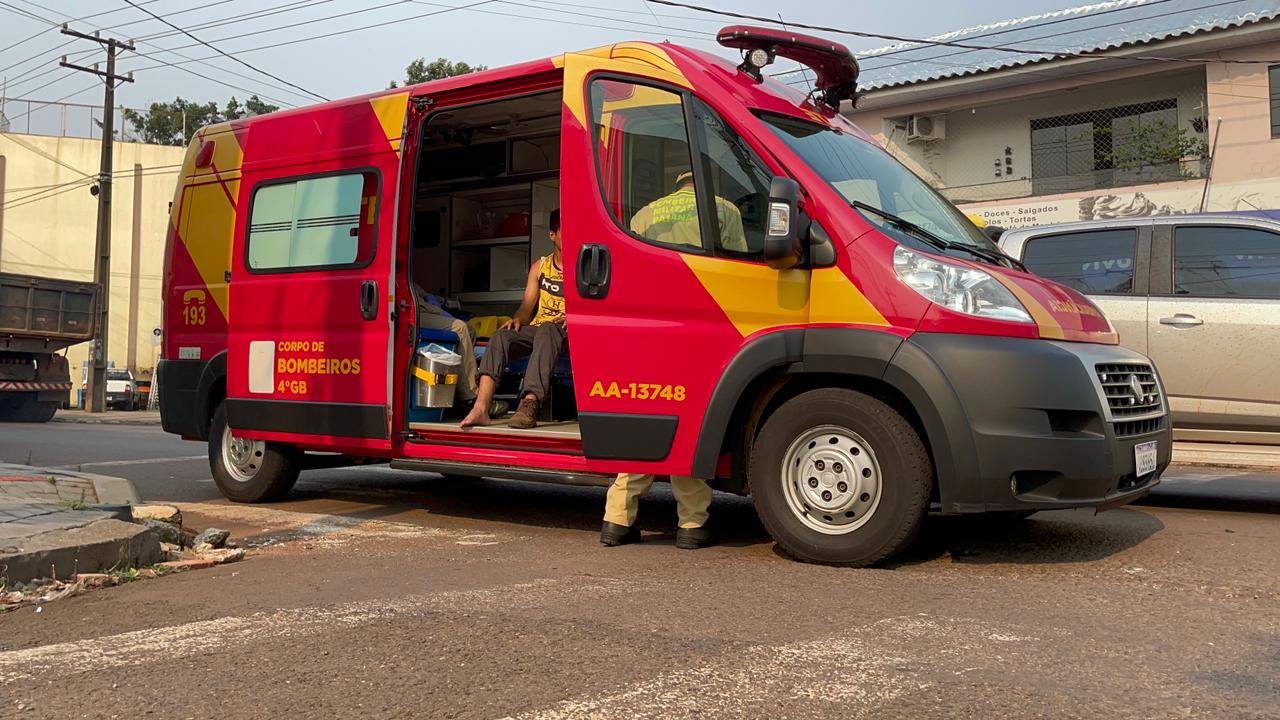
x,y
926,128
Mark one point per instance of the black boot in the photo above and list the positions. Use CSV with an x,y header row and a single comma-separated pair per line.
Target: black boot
x,y
693,538
613,535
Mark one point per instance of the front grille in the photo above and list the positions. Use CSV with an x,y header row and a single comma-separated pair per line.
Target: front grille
x,y
1129,428
1130,389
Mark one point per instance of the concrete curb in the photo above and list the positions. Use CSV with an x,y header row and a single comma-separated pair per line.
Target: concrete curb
x,y
143,419
94,547
110,490
1250,457
63,542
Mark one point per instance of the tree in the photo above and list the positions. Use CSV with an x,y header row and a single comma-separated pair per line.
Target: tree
x,y
420,71
173,123
1156,144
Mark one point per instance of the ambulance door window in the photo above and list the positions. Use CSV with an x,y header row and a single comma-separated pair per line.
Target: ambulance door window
x,y
313,223
739,181
644,162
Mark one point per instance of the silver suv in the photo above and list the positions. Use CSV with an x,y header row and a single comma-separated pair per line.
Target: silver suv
x,y
1199,294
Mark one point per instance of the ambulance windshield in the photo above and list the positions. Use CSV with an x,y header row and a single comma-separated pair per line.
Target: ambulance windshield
x,y
863,173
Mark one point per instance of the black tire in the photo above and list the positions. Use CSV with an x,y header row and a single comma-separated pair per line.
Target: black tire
x,y
26,409
906,478
276,468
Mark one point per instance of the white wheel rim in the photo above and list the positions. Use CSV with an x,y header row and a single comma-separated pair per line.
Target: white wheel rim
x,y
242,458
831,479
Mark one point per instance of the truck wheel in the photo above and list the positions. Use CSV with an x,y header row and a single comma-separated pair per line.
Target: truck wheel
x,y
249,471
26,409
840,478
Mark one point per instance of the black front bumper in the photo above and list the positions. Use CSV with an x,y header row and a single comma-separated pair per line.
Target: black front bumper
x,y
1020,424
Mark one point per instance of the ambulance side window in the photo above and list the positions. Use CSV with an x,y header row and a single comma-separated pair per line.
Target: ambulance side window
x,y
644,162
311,223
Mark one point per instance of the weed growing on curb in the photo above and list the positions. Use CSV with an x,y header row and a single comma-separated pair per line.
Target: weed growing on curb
x,y
80,504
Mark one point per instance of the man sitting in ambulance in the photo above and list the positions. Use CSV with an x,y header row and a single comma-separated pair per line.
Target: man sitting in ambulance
x,y
673,219
541,337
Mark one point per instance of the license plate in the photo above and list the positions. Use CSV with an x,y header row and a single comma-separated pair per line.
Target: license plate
x,y
1144,456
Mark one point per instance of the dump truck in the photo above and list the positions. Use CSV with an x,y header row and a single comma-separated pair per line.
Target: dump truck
x,y
40,317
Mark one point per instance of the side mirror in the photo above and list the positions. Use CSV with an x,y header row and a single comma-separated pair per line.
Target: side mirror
x,y
782,249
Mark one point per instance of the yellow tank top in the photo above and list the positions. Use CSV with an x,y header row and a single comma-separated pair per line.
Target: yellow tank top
x,y
550,292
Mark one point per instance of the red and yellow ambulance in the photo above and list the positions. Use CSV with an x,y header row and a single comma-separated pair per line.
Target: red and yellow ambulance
x,y
853,356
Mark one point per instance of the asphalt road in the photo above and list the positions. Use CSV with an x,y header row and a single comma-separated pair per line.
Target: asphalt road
x,y
378,593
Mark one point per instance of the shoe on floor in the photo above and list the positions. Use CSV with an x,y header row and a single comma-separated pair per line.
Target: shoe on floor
x,y
499,408
526,416
613,535
693,538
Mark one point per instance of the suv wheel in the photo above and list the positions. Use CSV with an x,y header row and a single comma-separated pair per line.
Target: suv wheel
x,y
249,471
839,477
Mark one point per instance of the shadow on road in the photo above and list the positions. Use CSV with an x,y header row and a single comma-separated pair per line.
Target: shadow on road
x,y
522,503
1065,536
1062,536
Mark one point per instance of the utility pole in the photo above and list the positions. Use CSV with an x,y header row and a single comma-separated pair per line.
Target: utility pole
x,y
96,395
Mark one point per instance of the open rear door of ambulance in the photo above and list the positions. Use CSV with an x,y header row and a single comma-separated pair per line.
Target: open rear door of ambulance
x,y
309,347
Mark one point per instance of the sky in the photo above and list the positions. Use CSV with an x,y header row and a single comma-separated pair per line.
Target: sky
x,y
487,32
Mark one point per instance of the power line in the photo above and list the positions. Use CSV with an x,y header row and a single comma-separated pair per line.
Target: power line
x,y
225,54
935,60
1069,18
445,9
21,13
33,36
79,55
189,71
950,43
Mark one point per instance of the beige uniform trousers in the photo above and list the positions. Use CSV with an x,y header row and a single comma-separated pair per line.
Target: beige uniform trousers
x,y
693,497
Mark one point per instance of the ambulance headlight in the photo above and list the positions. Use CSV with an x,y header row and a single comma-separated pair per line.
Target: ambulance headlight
x,y
958,287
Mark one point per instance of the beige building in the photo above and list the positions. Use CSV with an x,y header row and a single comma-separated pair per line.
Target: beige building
x,y
1150,108
48,220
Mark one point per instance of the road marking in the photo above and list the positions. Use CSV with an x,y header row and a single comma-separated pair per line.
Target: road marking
x,y
209,636
142,461
333,530
856,672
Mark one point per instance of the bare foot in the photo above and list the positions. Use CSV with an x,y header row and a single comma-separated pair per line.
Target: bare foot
x,y
479,416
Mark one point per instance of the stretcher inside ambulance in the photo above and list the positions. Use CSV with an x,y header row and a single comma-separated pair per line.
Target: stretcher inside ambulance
x,y
755,292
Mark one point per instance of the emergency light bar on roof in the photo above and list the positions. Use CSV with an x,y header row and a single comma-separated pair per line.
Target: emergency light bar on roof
x,y
834,65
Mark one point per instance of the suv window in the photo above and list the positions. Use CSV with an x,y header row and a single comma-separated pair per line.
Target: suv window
x,y
1096,262
1226,262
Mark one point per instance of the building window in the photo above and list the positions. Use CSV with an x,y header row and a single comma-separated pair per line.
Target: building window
x,y
1273,82
1098,262
1112,147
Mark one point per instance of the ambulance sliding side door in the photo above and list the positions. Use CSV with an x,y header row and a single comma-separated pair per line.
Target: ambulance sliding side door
x,y
308,348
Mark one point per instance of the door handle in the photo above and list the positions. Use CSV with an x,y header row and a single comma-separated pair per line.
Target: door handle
x,y
1182,320
369,299
593,271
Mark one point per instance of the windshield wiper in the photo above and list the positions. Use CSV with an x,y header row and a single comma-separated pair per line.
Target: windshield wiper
x,y
995,257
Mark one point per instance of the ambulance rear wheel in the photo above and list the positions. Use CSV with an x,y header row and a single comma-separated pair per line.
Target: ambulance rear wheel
x,y
249,471
839,477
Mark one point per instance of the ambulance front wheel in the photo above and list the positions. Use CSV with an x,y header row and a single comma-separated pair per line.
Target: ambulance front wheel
x,y
841,478
249,471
